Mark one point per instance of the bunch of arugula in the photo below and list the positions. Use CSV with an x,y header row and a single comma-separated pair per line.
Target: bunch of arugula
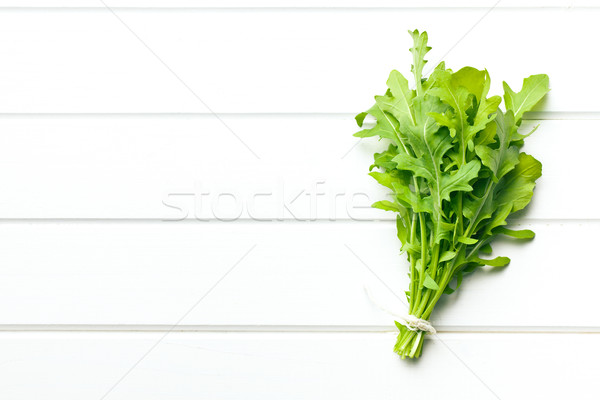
x,y
456,173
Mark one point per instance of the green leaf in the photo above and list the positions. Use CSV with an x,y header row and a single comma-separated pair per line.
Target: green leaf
x,y
429,283
458,97
384,178
459,180
478,84
522,234
386,126
399,326
399,104
517,138
514,191
465,240
430,145
486,136
505,157
386,205
410,199
486,249
432,80
534,89
473,80
517,187
360,118
466,92
495,262
447,256
384,159
459,278
402,228
500,161
418,51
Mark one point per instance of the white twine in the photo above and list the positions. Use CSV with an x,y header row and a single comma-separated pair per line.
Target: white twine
x,y
409,321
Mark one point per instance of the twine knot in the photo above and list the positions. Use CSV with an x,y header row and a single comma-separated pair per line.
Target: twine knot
x,y
411,322
417,324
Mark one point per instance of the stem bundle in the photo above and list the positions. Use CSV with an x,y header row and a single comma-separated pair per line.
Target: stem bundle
x,y
456,171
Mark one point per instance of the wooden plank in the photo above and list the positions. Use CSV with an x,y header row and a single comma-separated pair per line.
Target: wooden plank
x,y
192,167
88,61
298,274
296,366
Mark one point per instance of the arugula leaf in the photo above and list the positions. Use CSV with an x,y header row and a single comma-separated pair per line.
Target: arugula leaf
x,y
495,262
429,283
514,192
418,51
534,89
400,104
503,159
522,234
455,170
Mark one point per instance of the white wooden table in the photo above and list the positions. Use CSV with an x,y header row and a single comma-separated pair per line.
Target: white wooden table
x,y
120,277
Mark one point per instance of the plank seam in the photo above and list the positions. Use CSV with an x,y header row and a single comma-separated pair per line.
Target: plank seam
x,y
373,8
295,329
52,220
534,116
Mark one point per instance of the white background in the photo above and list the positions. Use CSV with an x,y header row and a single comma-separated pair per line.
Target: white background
x,y
108,134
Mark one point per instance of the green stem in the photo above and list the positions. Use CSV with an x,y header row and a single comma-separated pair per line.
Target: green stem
x,y
443,283
423,303
413,273
459,216
424,243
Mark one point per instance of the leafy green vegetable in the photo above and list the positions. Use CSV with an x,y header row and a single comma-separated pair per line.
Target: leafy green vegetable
x,y
456,171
